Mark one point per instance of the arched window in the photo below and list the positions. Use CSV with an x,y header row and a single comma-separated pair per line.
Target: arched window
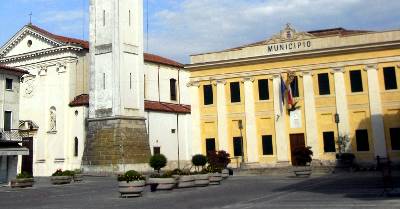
x,y
52,119
172,87
76,146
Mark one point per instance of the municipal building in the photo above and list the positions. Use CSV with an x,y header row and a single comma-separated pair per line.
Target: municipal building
x,y
344,83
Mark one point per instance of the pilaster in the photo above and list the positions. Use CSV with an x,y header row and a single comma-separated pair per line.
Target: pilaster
x,y
195,113
378,131
341,101
222,116
251,129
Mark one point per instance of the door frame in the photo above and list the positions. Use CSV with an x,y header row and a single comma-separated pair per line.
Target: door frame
x,y
302,143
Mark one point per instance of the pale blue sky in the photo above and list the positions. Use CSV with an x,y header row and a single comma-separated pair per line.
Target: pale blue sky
x,y
179,28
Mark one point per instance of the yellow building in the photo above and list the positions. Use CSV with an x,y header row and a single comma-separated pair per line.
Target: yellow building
x,y
354,74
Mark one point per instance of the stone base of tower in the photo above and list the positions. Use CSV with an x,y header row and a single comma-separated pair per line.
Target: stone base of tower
x,y
115,145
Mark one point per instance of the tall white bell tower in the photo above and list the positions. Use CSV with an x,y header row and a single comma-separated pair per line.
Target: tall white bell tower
x,y
117,135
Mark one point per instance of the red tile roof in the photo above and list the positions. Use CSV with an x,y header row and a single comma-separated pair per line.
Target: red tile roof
x,y
12,70
83,100
166,107
67,40
161,60
85,44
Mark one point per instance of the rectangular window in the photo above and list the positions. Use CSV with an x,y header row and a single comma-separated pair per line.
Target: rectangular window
x,y
263,89
104,81
104,17
323,84
329,141
9,84
156,150
356,81
237,146
76,147
129,17
130,80
208,94
267,145
172,87
294,85
235,92
395,138
389,74
362,140
7,120
210,145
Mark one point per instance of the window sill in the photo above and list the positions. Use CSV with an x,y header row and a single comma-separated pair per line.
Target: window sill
x,y
390,91
11,90
325,96
357,93
52,132
235,103
208,106
264,101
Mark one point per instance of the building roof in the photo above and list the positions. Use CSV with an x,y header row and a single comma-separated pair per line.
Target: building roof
x,y
85,44
12,70
83,100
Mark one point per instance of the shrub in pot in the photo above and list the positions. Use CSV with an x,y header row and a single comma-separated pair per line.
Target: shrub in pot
x,y
131,184
23,180
78,175
61,177
185,179
220,160
302,160
199,161
158,161
215,175
201,178
163,181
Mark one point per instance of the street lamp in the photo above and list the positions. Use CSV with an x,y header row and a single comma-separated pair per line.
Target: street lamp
x,y
240,125
337,121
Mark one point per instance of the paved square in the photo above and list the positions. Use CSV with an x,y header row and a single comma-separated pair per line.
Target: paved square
x,y
358,190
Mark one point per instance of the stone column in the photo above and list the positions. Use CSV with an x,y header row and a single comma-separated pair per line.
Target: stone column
x,y
281,134
378,131
310,114
222,116
251,129
341,103
196,120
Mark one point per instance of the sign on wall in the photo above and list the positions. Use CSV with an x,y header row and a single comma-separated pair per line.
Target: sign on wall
x,y
295,119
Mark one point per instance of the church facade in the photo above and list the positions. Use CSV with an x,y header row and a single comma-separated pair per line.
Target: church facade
x,y
54,99
261,101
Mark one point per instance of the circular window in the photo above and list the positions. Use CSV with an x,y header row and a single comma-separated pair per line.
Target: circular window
x,y
29,43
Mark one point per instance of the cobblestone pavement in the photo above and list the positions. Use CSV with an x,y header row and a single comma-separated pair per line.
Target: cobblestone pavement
x,y
358,190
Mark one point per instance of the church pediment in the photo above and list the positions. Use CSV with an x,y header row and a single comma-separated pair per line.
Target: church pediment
x,y
27,40
289,34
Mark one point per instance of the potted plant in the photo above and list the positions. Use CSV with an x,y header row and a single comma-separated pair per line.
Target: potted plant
x,y
215,175
185,180
158,161
302,159
61,177
131,184
78,175
163,181
220,160
23,180
201,178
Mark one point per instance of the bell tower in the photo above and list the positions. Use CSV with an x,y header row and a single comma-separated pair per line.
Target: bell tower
x,y
116,135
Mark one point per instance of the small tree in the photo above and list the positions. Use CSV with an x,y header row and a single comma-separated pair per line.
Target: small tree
x,y
219,159
158,161
199,161
302,155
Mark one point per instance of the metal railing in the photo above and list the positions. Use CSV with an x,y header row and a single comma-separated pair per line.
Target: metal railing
x,y
10,135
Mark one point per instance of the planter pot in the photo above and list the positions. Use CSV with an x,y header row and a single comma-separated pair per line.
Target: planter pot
x,y
225,173
163,183
186,181
201,180
22,183
78,177
215,178
57,180
131,189
302,171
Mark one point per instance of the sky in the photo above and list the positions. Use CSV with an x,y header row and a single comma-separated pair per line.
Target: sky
x,y
179,28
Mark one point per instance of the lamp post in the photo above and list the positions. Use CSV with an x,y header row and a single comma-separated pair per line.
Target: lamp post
x,y
337,121
240,125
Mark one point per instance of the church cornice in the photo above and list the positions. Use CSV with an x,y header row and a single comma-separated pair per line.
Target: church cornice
x,y
31,55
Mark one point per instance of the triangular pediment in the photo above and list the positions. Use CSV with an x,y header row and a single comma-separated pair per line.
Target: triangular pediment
x,y
28,40
289,34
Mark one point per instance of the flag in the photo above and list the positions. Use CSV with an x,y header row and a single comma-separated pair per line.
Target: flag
x,y
283,90
290,96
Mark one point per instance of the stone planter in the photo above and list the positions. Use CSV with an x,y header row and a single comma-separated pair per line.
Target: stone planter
x,y
215,178
201,180
186,181
302,171
131,189
57,180
163,183
22,183
225,173
78,177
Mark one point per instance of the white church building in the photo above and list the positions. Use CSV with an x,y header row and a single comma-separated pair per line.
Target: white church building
x,y
54,100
